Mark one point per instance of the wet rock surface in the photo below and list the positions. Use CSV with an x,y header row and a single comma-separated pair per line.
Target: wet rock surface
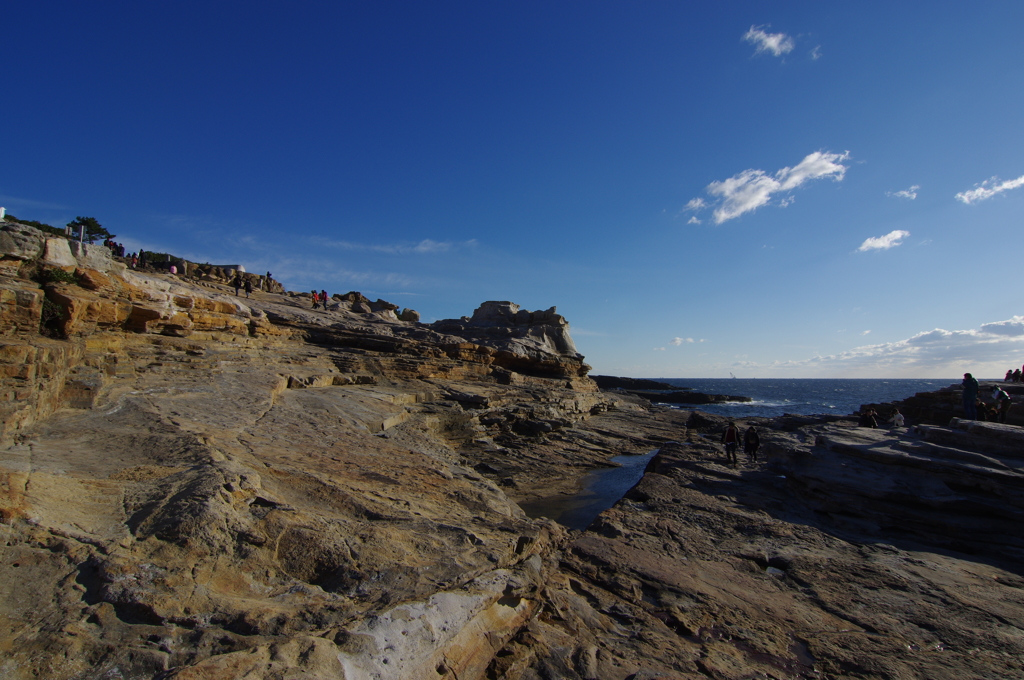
x,y
197,485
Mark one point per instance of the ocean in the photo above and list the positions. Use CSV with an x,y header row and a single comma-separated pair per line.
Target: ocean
x,y
800,396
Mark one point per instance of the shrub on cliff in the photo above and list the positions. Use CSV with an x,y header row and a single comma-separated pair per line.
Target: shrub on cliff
x,y
56,275
93,229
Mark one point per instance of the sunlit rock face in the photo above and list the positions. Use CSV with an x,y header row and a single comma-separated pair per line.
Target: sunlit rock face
x,y
198,485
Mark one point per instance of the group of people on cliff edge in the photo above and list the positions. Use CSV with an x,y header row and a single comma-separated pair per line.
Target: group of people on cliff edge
x,y
976,409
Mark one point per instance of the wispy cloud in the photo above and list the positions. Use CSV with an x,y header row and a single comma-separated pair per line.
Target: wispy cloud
x,y
988,189
910,193
777,44
865,332
426,246
890,240
679,341
751,189
816,53
327,274
16,203
694,220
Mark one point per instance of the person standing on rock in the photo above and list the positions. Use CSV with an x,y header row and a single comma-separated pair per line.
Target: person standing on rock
x,y
323,299
970,385
248,287
751,443
237,283
731,439
1002,402
316,299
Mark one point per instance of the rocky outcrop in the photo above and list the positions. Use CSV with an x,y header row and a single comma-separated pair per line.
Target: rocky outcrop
x,y
196,485
529,343
939,407
610,382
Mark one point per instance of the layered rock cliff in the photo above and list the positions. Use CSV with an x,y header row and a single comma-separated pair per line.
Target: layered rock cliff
x,y
196,485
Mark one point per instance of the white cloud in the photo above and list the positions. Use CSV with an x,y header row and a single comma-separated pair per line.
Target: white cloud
x,y
890,240
693,220
1013,327
865,332
751,189
659,349
816,53
986,351
679,341
776,43
910,193
988,189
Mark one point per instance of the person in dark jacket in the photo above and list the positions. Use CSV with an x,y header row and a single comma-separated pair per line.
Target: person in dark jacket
x,y
751,443
970,385
731,439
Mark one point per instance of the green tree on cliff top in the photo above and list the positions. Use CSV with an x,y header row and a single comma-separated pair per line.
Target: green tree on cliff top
x,y
93,229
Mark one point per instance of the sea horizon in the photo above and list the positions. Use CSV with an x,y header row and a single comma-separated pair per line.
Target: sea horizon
x,y
772,397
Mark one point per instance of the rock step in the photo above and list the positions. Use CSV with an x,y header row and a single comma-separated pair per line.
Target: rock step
x,y
882,451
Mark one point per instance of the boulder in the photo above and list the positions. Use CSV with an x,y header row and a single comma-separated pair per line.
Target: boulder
x,y
92,256
57,253
20,241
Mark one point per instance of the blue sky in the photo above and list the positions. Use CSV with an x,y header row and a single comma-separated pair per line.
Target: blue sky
x,y
787,189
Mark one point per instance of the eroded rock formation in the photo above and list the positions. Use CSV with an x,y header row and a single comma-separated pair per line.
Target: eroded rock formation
x,y
195,485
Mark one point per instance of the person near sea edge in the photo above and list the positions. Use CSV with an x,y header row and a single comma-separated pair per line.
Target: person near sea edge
x,y
731,439
751,443
970,385
1002,402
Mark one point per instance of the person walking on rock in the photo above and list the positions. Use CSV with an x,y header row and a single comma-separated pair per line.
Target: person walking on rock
x,y
316,299
237,283
248,287
970,385
1002,402
731,439
751,443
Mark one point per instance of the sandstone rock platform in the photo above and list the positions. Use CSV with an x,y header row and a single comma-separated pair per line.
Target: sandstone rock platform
x,y
196,485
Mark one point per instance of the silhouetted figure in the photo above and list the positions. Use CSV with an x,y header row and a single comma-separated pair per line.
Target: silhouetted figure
x,y
751,443
731,439
970,385
868,419
248,287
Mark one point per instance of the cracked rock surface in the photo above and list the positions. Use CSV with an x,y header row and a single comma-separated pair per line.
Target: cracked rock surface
x,y
198,486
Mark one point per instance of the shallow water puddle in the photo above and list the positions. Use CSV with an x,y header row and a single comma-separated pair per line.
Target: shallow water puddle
x,y
599,490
